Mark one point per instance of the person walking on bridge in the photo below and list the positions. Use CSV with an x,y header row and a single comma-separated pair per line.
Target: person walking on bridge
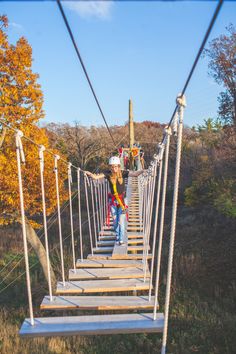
x,y
117,198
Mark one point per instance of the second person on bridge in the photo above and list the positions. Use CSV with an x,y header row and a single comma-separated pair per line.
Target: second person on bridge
x,y
117,196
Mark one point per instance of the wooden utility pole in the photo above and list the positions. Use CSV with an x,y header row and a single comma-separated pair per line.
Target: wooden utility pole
x,y
131,125
131,134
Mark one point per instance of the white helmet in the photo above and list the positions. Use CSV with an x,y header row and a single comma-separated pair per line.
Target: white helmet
x,y
114,160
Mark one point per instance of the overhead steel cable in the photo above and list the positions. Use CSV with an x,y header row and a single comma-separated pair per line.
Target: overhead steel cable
x,y
84,69
214,17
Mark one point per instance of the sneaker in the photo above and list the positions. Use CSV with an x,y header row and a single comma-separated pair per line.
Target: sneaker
x,y
121,243
117,242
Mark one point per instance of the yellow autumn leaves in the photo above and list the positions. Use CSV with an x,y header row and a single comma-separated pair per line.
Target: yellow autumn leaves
x,y
21,101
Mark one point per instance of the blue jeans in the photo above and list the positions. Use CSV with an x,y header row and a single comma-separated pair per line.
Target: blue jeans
x,y
119,220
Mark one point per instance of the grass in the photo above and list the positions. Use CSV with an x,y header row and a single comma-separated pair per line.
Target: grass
x,y
202,311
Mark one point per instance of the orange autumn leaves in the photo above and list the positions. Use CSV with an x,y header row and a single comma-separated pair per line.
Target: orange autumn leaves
x,y
21,101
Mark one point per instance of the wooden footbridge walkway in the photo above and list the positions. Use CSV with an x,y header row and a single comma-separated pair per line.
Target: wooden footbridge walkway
x,y
97,284
122,280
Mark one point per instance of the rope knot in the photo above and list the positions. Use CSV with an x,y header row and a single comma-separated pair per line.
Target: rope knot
x,y
181,100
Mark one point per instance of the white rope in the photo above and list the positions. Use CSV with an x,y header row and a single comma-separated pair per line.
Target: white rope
x,y
21,158
175,124
153,186
100,204
56,158
145,200
79,214
181,102
96,203
71,215
86,182
104,200
41,164
162,217
156,222
94,218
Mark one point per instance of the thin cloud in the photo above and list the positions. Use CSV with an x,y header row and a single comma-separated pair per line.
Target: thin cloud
x,y
15,25
87,9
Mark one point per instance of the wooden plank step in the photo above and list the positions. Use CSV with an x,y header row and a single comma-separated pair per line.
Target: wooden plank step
x,y
108,263
134,224
127,256
107,233
107,273
133,228
102,243
92,325
134,235
107,238
99,286
119,250
135,241
136,248
97,303
102,249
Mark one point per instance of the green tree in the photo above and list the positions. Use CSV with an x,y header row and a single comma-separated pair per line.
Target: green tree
x,y
222,67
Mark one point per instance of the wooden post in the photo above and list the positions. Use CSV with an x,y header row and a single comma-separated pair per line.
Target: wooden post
x,y
131,134
131,125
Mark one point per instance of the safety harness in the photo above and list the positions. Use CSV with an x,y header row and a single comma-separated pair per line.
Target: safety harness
x,y
116,199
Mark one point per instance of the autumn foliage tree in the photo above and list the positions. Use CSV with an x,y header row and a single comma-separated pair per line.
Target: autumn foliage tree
x,y
222,67
21,103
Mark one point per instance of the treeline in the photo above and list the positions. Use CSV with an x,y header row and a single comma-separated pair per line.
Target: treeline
x,y
208,165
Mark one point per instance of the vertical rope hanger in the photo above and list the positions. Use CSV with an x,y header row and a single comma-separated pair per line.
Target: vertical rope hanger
x,y
97,206
159,162
162,215
41,165
86,183
71,215
56,158
161,227
181,105
79,214
94,214
21,159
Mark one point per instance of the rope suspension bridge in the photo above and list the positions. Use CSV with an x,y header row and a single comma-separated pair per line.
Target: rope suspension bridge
x,y
104,279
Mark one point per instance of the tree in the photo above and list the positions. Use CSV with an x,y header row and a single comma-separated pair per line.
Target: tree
x,y
21,102
21,97
222,67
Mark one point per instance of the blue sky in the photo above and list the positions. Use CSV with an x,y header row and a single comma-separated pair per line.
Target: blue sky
x,y
139,50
